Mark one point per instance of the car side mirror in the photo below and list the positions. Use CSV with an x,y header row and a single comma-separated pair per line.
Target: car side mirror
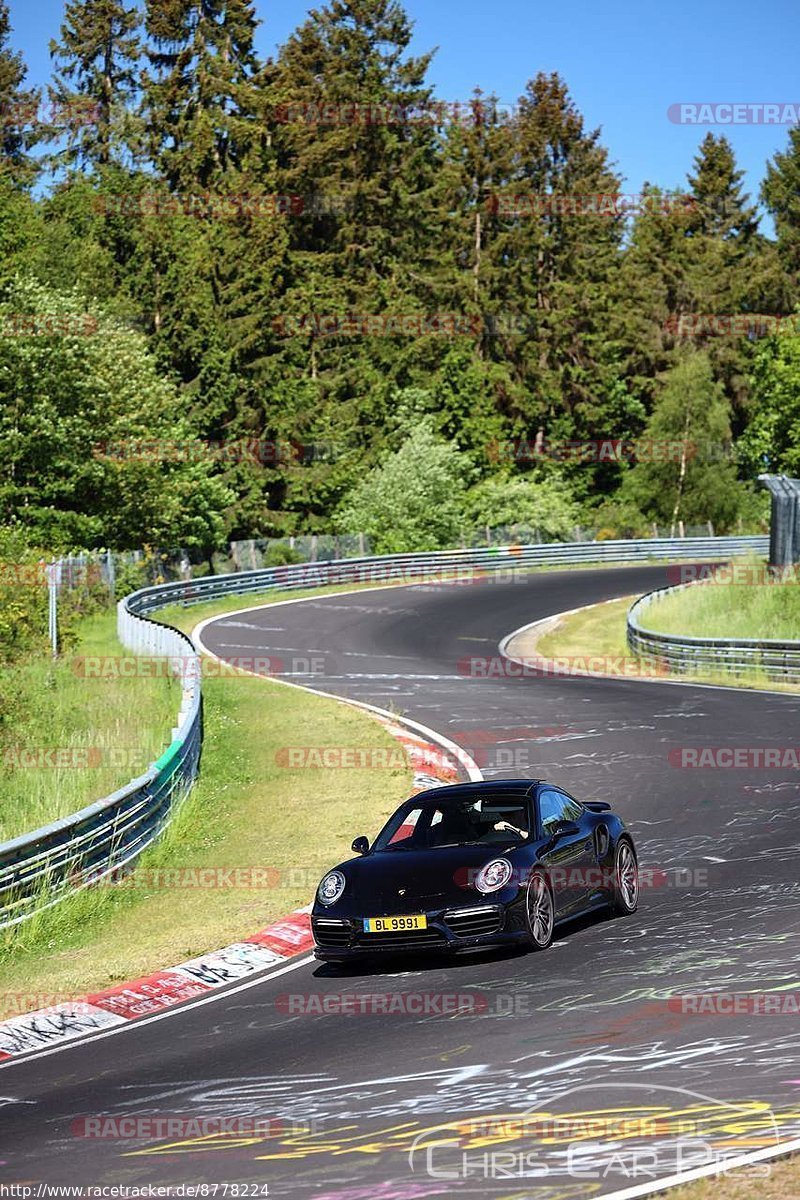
x,y
360,845
565,827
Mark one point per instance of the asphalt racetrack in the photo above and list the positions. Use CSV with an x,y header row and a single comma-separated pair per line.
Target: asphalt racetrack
x,y
578,1072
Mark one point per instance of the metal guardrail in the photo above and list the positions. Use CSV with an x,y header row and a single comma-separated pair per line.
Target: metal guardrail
x,y
777,660
405,568
44,867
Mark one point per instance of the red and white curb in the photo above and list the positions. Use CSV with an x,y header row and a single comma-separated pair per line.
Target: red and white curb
x,y
154,993
434,760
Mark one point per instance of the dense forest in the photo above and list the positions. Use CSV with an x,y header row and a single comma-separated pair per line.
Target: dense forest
x,y
245,298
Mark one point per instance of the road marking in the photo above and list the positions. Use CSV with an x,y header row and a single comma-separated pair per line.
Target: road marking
x,y
170,1012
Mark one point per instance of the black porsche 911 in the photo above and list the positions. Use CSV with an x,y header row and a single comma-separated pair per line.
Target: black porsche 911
x,y
473,865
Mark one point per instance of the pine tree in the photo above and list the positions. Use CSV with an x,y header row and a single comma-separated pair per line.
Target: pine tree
x,y
780,192
561,255
476,172
95,78
198,100
653,289
353,111
693,257
356,138
718,209
19,120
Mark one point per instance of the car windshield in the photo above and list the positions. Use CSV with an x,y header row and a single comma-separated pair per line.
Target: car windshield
x,y
456,821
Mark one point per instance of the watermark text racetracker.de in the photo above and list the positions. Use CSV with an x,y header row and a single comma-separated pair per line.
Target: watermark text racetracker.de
x,y
750,325
266,451
497,666
734,574
603,204
365,113
201,205
188,666
160,1127
592,450
736,1004
19,325
513,748
742,112
35,574
412,324
19,757
736,758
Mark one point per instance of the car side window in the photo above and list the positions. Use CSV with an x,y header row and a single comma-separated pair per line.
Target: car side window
x,y
405,832
554,806
572,810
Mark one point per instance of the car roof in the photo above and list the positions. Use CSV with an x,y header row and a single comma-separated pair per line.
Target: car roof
x,y
522,787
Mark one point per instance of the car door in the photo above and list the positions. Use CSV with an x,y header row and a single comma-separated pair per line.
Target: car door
x,y
568,852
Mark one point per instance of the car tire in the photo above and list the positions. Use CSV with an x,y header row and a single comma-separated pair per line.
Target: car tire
x,y
625,889
539,912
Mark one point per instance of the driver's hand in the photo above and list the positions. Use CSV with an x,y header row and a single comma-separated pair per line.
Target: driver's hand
x,y
501,825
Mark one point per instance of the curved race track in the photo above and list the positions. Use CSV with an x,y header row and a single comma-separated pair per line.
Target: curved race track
x,y
582,1039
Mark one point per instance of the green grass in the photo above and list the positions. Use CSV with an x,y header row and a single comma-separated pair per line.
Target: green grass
x,y
748,610
600,630
95,727
782,1183
247,811
595,631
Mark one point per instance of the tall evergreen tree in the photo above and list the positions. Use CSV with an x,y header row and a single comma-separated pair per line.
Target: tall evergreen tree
x,y
718,207
356,138
477,167
19,124
95,78
351,147
693,257
560,257
198,100
780,192
653,288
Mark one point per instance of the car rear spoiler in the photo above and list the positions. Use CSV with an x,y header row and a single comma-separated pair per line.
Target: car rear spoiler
x,y
597,805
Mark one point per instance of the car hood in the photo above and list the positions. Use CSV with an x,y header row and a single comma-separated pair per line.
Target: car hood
x,y
444,874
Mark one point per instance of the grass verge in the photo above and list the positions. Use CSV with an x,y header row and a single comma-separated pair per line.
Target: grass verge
x,y
280,827
71,739
782,1183
598,630
597,635
729,609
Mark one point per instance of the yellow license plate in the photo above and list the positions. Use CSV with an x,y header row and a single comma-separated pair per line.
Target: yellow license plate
x,y
394,924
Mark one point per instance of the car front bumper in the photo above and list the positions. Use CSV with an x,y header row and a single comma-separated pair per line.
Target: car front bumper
x,y
448,930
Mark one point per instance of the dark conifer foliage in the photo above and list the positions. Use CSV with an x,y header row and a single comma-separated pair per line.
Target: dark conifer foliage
x,y
348,272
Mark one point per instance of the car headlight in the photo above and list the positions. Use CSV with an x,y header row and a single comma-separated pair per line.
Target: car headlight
x,y
494,875
331,887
